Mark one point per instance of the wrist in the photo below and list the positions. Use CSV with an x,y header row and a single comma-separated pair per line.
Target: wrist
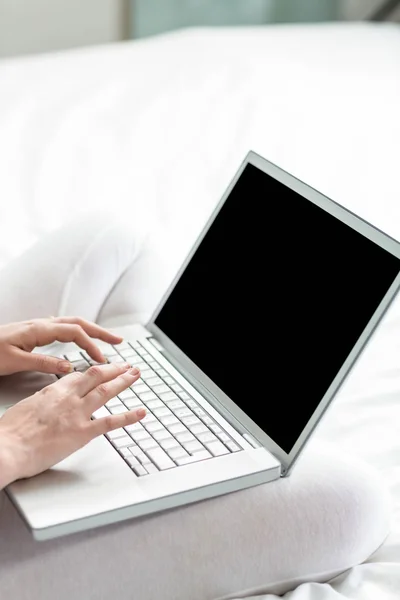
x,y
8,472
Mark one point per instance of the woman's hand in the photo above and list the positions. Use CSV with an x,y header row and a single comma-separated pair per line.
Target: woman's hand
x,y
47,427
17,340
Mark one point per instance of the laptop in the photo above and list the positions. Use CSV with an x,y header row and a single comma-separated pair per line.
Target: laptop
x,y
239,362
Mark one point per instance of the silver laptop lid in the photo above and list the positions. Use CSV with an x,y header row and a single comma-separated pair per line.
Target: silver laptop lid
x,y
275,302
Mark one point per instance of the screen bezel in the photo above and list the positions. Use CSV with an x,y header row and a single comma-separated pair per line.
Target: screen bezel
x,y
212,392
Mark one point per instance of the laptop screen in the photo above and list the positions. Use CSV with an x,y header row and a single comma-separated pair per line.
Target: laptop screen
x,y
273,301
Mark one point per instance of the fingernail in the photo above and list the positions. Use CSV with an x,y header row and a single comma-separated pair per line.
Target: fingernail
x,y
125,366
140,413
134,371
65,367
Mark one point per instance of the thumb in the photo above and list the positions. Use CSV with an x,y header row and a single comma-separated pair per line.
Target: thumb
x,y
30,361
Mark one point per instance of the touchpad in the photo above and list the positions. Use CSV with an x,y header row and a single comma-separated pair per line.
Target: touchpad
x,y
14,388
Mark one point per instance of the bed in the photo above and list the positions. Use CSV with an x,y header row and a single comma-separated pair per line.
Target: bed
x,y
155,129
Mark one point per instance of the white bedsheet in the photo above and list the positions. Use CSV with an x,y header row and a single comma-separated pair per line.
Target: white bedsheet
x,y
155,130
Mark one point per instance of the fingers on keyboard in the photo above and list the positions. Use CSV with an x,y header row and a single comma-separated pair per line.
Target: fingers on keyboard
x,y
176,431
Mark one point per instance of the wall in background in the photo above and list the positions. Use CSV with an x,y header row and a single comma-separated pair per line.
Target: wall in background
x,y
149,17
32,26
360,9
29,26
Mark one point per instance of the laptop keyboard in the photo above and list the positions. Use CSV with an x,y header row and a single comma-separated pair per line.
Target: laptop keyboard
x,y
176,430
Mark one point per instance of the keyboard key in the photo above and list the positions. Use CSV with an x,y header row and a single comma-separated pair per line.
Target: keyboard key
x,y
199,411
140,388
116,433
190,421
161,372
117,410
195,458
168,443
121,346
128,352
185,436
103,346
167,396
152,404
160,389
108,351
207,437
183,412
161,434
135,451
233,447
74,356
142,366
176,387
134,360
125,452
176,428
142,458
169,380
113,402
193,447
176,452
146,356
145,396
162,412
147,443
120,442
137,436
196,429
146,374
134,427
160,458
135,344
139,470
175,404
115,359
150,468
126,394
224,437
148,419
215,428
216,448
133,352
186,397
207,420
133,402
120,432
132,460
169,420
153,426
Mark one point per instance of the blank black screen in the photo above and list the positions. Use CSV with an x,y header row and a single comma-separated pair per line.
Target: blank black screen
x,y
273,301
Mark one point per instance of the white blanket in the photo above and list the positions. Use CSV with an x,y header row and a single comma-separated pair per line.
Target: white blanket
x,y
155,129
